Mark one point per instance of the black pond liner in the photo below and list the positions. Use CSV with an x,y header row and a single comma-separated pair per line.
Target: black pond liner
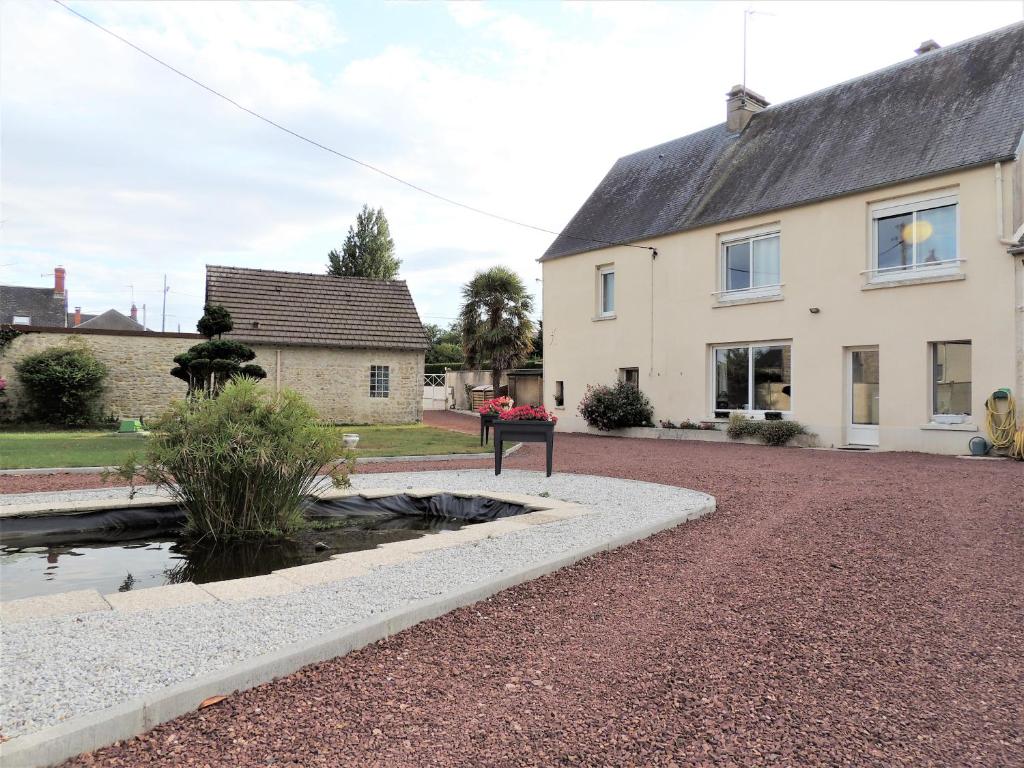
x,y
120,549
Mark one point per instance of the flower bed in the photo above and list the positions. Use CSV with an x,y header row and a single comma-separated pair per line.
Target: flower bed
x,y
529,413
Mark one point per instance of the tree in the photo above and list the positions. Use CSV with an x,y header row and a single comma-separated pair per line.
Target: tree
x,y
495,320
368,250
538,341
445,344
208,366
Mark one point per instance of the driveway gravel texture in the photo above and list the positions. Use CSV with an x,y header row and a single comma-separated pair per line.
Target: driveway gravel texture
x,y
837,609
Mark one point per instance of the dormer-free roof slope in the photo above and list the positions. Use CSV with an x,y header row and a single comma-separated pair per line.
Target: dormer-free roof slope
x,y
953,108
274,307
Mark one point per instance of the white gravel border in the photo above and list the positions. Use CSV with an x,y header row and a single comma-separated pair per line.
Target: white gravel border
x,y
58,668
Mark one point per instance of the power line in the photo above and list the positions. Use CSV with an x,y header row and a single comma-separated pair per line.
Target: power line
x,y
342,155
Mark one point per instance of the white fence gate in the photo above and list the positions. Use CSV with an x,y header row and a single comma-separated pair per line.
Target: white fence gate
x,y
433,392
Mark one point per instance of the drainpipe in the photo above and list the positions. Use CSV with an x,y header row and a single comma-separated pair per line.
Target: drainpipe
x,y
999,211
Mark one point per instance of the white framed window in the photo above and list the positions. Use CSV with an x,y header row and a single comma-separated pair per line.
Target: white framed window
x,y
915,237
22,320
606,291
752,378
630,376
750,264
951,378
380,381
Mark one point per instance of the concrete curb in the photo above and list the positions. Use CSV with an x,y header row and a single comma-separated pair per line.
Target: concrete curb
x,y
364,460
85,733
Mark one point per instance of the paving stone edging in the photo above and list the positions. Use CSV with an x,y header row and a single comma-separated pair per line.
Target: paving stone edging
x,y
88,732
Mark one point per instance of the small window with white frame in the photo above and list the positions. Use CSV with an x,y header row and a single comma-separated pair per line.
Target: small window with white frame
x,y
951,381
915,237
606,291
22,320
752,378
750,264
380,381
630,376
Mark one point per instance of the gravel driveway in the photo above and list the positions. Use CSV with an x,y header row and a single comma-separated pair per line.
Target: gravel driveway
x,y
840,609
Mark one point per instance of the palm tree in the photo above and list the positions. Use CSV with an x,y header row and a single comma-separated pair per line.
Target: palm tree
x,y
495,321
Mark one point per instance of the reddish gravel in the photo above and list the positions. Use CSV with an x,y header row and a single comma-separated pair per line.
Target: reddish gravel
x,y
840,609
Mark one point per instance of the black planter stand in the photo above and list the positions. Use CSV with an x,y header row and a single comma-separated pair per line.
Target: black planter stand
x,y
486,422
523,432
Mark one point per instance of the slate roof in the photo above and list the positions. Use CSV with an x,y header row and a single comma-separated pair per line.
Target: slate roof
x,y
316,310
111,320
40,305
956,107
71,319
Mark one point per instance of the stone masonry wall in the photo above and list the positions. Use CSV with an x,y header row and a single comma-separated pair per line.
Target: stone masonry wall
x,y
335,381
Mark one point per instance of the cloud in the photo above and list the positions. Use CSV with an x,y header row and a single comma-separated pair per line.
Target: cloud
x,y
123,171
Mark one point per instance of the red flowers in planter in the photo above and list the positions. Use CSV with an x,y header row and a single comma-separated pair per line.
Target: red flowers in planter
x,y
528,413
496,405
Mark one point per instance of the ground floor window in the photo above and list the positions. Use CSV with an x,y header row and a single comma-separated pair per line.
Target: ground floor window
x,y
559,394
951,378
753,378
380,381
630,376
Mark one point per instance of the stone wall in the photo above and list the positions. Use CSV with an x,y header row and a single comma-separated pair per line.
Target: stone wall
x,y
335,381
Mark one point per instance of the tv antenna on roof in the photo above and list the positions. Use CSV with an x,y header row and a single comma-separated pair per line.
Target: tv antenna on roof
x,y
747,13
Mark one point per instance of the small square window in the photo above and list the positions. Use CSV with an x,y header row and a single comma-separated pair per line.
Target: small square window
x,y
630,376
380,381
606,291
951,378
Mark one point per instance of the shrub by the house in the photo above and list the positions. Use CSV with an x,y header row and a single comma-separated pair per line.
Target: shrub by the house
x,y
616,407
770,432
245,463
63,384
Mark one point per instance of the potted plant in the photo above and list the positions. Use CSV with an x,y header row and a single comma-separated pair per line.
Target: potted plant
x,y
489,412
525,424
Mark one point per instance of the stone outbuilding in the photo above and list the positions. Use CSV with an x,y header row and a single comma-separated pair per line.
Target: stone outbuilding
x,y
353,346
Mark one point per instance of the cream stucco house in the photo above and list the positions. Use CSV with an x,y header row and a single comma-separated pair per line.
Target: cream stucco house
x,y
851,258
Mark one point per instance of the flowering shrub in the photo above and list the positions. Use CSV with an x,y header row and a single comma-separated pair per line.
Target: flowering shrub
x,y
496,405
528,413
770,432
615,407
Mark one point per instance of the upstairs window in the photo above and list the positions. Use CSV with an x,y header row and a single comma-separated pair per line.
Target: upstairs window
x,y
380,381
22,320
750,265
916,238
606,291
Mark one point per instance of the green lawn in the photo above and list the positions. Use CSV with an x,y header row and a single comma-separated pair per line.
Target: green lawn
x,y
91,448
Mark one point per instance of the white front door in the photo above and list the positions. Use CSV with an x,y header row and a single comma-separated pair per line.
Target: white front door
x,y
862,396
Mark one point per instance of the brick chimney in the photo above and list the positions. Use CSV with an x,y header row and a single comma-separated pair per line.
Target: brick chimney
x,y
135,312
78,317
58,281
926,47
741,105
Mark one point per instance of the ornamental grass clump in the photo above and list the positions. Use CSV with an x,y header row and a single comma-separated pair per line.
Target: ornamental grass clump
x,y
769,432
243,464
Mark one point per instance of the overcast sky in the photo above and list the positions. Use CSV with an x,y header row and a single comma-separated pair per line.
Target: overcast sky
x,y
122,171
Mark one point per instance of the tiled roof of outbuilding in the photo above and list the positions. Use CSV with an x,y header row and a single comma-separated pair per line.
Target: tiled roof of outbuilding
x,y
956,107
316,310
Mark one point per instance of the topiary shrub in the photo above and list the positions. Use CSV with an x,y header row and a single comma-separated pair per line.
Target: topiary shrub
x,y
770,432
245,463
63,384
210,365
616,407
